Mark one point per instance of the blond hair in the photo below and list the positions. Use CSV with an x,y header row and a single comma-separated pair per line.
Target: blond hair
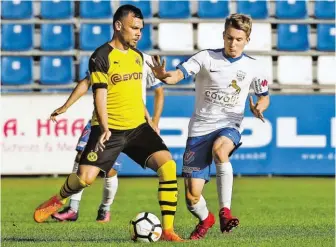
x,y
241,22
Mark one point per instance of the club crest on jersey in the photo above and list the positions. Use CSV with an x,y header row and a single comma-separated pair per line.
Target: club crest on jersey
x,y
92,156
235,86
137,61
240,75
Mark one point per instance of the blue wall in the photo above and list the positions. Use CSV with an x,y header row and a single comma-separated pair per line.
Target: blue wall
x,y
299,139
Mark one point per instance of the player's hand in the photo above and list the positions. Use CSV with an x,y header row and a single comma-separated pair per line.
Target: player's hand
x,y
105,136
154,126
256,110
57,112
158,68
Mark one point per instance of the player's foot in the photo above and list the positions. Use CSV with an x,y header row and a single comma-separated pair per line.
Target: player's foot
x,y
47,208
103,216
202,228
66,214
227,221
170,235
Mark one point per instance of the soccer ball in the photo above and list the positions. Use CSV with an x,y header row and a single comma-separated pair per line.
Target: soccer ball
x,y
145,227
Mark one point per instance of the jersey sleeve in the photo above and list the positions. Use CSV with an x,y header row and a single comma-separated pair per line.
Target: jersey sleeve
x,y
260,85
151,81
194,64
87,76
98,67
83,139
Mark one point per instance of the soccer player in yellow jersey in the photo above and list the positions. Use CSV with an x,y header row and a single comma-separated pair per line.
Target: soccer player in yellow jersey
x,y
71,212
118,122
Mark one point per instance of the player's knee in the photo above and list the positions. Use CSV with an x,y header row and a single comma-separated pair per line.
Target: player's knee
x,y
87,177
220,155
192,199
112,173
158,159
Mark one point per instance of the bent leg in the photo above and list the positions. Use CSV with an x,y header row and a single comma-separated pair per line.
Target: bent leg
x,y
165,167
222,148
196,203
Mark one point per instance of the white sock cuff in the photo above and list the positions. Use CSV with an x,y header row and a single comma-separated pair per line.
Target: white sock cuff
x,y
199,209
201,203
110,179
225,167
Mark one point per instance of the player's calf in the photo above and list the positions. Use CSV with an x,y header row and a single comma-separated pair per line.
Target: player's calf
x,y
167,194
73,184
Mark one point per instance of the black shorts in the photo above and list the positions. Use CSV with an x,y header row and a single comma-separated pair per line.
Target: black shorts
x,y
139,144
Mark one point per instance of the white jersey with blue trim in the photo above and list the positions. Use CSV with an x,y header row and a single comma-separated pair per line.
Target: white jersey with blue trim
x,y
222,86
148,78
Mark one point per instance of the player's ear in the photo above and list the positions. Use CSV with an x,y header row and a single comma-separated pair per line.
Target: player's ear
x,y
247,40
118,25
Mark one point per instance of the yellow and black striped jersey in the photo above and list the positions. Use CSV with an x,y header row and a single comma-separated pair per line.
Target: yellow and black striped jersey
x,y
120,72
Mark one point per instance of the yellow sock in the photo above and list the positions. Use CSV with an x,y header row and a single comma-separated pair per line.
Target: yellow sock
x,y
72,185
167,193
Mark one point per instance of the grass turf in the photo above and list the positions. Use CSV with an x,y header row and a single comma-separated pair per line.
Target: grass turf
x,y
272,211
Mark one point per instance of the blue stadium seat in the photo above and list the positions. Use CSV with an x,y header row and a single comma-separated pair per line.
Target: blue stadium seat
x,y
57,9
325,9
144,5
16,91
16,37
57,37
293,37
83,67
94,35
172,62
56,70
16,9
172,9
95,9
326,37
212,9
145,42
16,70
257,9
291,9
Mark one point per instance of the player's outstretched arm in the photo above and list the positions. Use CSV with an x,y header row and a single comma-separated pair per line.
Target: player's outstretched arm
x,y
158,105
159,71
81,88
261,105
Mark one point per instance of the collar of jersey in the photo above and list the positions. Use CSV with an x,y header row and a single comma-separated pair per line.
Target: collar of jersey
x,y
231,59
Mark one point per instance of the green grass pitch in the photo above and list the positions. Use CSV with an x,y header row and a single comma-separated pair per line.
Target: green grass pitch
x,y
272,211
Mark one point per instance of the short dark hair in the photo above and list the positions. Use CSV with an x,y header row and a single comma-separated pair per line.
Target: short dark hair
x,y
124,10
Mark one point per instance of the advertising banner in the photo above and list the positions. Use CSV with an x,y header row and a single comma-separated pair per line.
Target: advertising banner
x,y
297,138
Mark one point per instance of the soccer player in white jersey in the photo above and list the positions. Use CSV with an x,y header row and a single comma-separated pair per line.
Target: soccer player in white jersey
x,y
223,79
70,213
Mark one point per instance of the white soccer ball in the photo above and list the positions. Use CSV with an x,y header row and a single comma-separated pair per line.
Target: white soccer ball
x,y
145,227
